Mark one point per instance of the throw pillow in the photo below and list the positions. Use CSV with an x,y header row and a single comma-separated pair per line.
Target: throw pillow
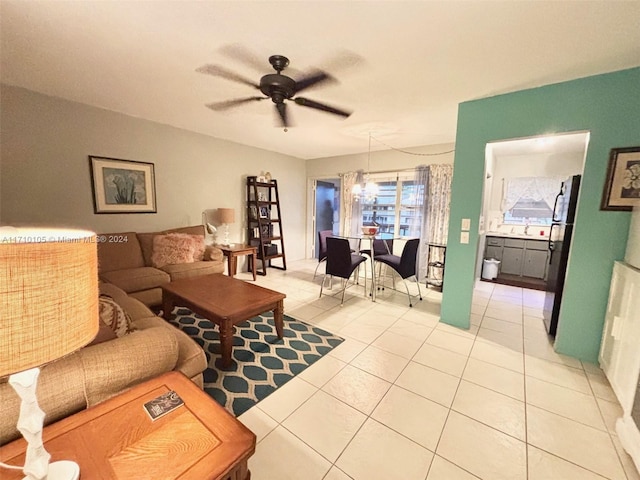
x,y
171,249
199,246
104,334
114,316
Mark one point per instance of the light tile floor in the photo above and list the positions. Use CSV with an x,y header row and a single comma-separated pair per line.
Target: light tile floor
x,y
406,397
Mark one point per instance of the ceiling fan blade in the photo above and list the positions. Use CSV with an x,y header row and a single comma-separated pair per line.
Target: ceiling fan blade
x,y
282,110
220,106
224,73
244,55
305,102
312,79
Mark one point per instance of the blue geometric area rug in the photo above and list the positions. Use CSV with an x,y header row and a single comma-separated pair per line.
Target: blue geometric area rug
x,y
263,362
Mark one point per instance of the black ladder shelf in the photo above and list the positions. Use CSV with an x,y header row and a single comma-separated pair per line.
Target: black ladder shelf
x,y
264,222
435,265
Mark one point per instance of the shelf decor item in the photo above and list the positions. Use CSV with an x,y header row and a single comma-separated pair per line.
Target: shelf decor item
x,y
49,305
622,185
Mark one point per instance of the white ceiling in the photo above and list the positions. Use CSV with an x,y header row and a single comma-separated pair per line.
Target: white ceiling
x,y
403,66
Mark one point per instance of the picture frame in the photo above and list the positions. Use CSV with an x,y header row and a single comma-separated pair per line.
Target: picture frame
x,y
622,184
122,186
264,212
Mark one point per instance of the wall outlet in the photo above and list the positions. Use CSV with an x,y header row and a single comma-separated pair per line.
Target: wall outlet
x,y
466,224
464,237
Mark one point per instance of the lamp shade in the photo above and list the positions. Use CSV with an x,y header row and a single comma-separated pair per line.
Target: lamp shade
x,y
227,215
48,295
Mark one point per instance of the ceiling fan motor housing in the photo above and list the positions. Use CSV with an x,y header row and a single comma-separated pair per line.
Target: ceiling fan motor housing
x,y
277,85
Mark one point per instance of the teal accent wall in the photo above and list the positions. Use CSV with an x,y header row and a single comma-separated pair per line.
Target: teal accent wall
x,y
607,106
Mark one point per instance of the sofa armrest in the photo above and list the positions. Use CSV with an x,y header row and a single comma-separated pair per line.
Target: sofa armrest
x,y
213,253
60,393
112,367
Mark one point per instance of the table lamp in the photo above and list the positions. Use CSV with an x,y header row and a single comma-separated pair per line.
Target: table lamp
x,y
226,216
48,309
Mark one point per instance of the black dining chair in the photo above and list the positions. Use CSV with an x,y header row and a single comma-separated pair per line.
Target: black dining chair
x,y
405,264
322,250
341,262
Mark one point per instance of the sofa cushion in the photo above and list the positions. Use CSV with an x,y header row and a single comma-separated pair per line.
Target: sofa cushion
x,y
114,316
118,251
136,279
172,249
193,230
187,270
146,245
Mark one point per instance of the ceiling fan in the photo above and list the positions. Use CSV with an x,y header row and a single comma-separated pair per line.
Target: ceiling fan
x,y
276,86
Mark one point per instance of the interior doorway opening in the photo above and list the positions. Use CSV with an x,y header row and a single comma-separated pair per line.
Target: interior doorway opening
x,y
326,209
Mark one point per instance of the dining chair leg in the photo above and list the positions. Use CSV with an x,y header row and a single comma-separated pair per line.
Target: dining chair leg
x,y
324,278
316,270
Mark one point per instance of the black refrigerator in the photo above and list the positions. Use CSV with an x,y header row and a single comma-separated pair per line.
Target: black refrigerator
x,y
564,212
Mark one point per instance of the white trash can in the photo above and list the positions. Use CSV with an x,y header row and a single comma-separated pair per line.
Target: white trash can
x,y
490,268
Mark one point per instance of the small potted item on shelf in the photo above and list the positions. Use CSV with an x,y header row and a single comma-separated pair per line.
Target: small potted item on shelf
x,y
267,177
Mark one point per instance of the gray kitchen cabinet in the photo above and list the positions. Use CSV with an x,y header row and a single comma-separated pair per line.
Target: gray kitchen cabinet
x,y
526,258
511,261
535,263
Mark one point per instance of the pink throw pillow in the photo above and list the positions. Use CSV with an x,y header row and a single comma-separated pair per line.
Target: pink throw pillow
x,y
199,246
171,249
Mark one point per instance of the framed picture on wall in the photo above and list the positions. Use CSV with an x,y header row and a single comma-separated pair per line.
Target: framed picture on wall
x,y
122,186
622,184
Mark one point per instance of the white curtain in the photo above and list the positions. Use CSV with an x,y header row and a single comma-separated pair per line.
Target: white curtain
x,y
535,188
438,210
421,177
351,209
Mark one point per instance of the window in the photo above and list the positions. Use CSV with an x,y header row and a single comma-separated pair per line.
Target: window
x,y
397,209
527,211
529,200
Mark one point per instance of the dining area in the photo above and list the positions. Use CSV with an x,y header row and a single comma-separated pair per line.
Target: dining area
x,y
343,257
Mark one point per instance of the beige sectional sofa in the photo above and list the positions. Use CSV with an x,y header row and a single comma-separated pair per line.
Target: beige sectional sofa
x,y
100,371
125,260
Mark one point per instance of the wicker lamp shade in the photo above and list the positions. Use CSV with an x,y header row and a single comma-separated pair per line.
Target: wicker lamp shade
x,y
48,295
227,215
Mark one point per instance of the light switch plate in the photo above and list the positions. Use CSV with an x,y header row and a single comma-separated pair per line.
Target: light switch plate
x,y
464,237
466,224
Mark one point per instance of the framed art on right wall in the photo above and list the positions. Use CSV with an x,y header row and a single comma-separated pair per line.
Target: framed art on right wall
x,y
622,185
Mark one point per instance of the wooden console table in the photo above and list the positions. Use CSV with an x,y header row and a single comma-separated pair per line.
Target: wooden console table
x,y
116,439
233,252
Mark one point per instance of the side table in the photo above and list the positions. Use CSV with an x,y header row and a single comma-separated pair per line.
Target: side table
x,y
116,439
232,252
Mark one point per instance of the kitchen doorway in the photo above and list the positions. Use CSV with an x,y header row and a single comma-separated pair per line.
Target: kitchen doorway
x,y
522,179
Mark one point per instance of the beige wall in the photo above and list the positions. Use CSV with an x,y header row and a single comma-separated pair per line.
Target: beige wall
x,y
45,178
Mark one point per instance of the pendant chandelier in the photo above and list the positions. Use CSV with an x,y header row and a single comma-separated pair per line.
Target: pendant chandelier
x,y
366,191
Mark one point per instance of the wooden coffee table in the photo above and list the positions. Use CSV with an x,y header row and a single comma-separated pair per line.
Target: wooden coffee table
x,y
225,301
116,439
